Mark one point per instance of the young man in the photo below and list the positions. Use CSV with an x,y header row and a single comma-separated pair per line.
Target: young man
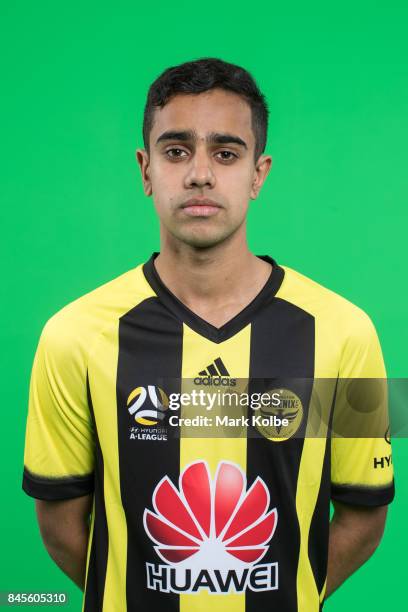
x,y
220,522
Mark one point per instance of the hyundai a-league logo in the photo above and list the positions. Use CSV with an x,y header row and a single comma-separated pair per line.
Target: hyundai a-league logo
x,y
148,405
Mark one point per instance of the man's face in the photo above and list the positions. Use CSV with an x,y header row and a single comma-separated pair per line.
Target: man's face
x,y
201,170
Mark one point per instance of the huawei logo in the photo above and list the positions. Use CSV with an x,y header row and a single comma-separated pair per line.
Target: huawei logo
x,y
215,524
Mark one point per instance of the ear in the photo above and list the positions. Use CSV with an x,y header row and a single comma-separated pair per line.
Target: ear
x,y
143,160
262,167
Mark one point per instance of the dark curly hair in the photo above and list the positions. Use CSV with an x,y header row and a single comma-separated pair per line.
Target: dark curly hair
x,y
203,75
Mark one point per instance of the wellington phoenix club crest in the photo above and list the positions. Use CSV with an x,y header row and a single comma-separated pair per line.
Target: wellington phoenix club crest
x,y
211,533
290,408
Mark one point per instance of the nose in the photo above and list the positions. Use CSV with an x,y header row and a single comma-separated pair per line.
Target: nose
x,y
200,172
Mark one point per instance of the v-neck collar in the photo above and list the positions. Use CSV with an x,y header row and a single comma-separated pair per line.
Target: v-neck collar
x,y
201,326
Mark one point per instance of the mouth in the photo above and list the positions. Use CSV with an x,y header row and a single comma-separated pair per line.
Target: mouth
x,y
200,207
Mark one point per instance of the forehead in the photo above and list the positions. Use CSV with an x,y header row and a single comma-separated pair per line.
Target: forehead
x,y
212,111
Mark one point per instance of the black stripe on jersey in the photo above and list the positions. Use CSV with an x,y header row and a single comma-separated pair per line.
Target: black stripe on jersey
x,y
319,528
150,348
57,488
318,548
282,348
98,558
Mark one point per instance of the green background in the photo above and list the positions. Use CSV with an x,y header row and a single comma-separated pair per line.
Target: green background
x,y
73,213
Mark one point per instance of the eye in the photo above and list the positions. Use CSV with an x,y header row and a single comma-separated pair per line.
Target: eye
x,y
227,155
176,153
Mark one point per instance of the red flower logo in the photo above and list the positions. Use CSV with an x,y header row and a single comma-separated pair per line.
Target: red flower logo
x,y
212,523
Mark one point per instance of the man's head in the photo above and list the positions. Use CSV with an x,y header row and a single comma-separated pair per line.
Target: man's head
x,y
204,131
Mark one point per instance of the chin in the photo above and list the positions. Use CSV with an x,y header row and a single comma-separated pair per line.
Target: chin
x,y
204,239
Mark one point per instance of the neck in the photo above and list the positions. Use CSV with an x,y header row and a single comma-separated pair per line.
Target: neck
x,y
206,278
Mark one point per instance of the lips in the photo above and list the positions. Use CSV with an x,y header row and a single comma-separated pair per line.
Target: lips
x,y
200,202
200,207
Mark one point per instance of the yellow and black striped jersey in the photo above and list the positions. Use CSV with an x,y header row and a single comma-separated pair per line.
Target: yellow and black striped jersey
x,y
191,522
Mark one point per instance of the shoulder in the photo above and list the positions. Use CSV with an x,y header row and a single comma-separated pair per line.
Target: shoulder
x,y
73,328
317,298
342,329
330,309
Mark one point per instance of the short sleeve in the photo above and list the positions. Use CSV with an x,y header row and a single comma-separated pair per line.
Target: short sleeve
x,y
59,443
361,457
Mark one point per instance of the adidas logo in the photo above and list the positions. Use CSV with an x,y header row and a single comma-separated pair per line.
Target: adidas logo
x,y
215,374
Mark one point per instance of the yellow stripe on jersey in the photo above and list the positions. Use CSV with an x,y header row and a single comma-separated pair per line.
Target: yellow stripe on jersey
x,y
197,351
351,456
310,470
104,395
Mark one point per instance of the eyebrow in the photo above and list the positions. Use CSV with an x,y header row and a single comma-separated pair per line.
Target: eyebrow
x,y
191,136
